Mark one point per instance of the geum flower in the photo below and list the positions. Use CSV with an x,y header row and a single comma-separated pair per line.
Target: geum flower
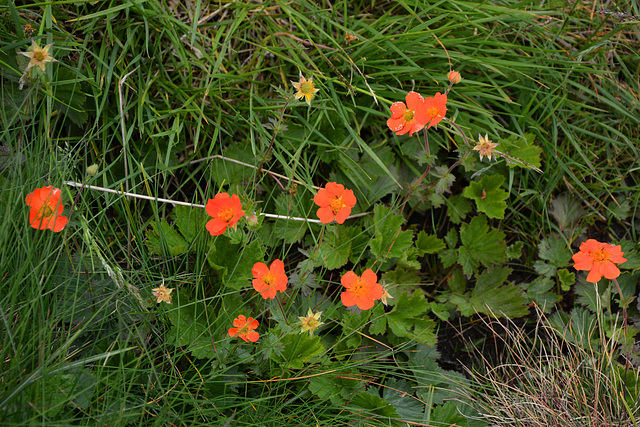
x,y
361,291
434,108
411,117
599,259
269,280
310,322
335,203
305,89
226,211
243,328
162,294
485,147
46,209
38,56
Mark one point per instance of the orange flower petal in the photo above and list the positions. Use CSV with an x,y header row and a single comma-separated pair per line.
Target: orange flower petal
x,y
364,303
342,215
396,124
348,299
335,189
322,198
414,100
349,279
609,270
252,336
348,198
259,270
216,226
325,215
397,110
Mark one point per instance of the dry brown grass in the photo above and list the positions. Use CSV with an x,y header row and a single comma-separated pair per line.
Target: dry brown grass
x,y
549,380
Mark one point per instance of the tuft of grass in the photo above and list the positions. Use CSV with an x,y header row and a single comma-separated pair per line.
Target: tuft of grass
x,y
544,377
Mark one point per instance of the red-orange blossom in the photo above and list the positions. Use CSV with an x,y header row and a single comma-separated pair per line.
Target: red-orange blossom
x,y
599,259
361,291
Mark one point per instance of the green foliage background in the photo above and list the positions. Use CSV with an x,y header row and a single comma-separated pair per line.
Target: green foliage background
x,y
181,100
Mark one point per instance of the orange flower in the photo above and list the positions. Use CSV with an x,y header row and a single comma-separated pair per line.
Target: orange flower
x,y
361,291
599,259
335,203
46,209
225,210
243,328
435,108
410,117
269,280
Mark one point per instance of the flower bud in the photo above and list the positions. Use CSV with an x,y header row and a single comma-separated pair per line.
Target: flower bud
x,y
454,77
92,170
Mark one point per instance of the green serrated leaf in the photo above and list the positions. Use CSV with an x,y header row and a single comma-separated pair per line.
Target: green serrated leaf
x,y
334,250
378,320
165,240
445,179
480,245
400,393
505,301
522,152
336,387
401,276
566,279
491,279
190,221
489,197
515,251
428,243
409,319
580,327
389,241
566,210
297,350
53,393
434,384
458,207
370,404
234,262
540,291
351,324
449,414
456,281
544,268
554,250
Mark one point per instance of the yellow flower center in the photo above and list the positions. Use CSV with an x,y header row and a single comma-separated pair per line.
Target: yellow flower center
x,y
432,112
307,87
45,212
39,56
226,214
337,204
312,323
268,279
600,255
359,288
408,116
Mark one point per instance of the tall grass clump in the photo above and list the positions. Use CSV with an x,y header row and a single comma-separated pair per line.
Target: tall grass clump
x,y
547,375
